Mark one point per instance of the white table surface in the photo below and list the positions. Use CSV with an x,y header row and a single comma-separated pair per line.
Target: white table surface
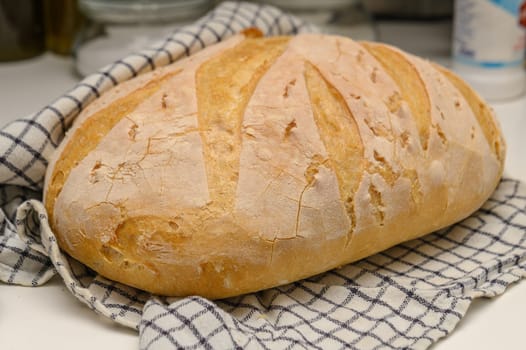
x,y
48,317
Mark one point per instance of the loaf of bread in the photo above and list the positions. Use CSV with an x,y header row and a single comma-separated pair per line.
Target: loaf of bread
x,y
261,161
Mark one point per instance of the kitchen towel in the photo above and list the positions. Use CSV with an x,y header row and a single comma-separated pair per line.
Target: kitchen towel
x,y
406,297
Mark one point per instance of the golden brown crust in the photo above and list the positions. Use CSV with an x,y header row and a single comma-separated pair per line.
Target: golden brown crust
x,y
260,161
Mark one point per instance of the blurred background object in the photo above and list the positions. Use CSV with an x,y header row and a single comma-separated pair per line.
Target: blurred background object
x,y
341,17
421,27
62,21
489,46
411,9
116,28
98,32
21,29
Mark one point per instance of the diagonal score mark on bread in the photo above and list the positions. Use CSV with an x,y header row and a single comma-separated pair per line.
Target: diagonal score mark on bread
x,y
482,112
224,85
411,86
340,136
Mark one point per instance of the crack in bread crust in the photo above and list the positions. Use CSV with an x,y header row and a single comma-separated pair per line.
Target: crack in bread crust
x,y
87,137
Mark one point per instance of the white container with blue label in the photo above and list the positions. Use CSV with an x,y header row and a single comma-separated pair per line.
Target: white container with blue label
x,y
489,44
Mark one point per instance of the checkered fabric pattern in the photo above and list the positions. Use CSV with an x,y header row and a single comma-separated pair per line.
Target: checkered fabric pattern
x,y
406,297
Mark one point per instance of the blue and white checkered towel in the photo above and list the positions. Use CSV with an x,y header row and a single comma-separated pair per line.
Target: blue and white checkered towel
x,y
406,297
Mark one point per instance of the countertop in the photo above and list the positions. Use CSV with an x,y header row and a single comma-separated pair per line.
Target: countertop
x,y
49,317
